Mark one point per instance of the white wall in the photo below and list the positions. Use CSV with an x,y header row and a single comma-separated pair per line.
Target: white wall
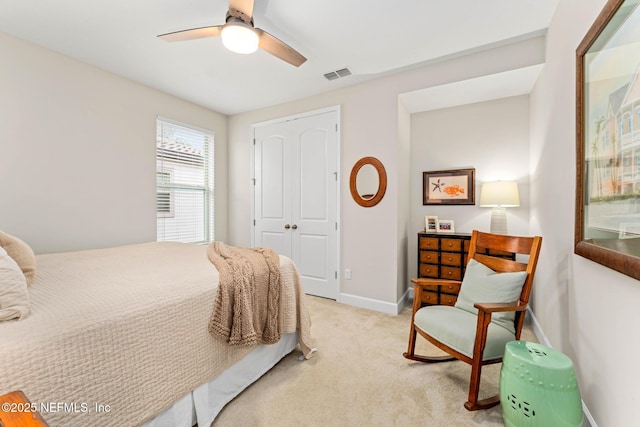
x,y
586,310
77,151
493,138
374,240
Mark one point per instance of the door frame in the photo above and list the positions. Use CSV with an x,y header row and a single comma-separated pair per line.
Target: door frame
x,y
336,109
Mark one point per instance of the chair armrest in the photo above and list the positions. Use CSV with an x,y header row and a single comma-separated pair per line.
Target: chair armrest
x,y
424,281
485,309
495,307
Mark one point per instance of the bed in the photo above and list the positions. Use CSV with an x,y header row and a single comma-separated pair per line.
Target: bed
x,y
119,337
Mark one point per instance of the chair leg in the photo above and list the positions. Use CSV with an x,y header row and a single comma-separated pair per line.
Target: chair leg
x,y
412,342
411,353
473,404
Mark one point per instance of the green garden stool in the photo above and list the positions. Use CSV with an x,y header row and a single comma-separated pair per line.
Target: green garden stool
x,y
538,387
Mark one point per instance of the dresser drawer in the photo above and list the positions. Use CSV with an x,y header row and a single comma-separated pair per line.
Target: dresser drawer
x,y
454,245
450,258
452,273
453,289
446,299
428,270
428,243
429,257
430,297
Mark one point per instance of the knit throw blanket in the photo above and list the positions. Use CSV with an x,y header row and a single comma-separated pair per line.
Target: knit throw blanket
x,y
246,308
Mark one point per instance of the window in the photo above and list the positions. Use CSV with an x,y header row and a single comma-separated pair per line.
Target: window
x,y
184,183
627,123
626,164
164,195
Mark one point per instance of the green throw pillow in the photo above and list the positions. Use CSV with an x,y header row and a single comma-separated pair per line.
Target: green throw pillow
x,y
482,284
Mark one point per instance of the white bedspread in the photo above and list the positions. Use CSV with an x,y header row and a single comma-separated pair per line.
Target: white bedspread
x,y
117,335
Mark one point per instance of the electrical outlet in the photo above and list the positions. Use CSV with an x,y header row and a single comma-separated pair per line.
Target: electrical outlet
x,y
347,273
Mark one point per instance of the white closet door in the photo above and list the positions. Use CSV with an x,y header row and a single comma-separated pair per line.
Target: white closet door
x,y
272,200
296,194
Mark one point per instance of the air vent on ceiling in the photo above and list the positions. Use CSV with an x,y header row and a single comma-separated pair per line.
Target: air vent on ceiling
x,y
343,72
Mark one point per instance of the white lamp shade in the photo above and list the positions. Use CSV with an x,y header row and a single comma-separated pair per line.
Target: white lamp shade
x,y
500,193
239,37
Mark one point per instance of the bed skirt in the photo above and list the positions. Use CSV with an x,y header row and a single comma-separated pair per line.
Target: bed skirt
x,y
203,404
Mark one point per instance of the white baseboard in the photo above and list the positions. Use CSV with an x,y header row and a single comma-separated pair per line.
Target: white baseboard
x,y
537,329
542,338
373,304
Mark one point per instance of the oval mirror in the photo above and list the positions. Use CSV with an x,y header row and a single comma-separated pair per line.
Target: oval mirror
x,y
368,182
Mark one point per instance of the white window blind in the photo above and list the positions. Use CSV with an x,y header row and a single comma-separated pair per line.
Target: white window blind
x,y
184,183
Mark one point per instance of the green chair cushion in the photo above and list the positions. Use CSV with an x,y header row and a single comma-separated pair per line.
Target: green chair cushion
x,y
482,284
457,329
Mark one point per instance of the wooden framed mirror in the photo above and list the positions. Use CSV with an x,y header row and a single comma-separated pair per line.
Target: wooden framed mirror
x,y
368,182
607,225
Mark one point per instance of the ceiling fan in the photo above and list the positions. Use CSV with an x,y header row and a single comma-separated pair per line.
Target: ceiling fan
x,y
239,35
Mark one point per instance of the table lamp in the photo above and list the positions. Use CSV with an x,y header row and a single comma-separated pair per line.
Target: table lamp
x,y
499,195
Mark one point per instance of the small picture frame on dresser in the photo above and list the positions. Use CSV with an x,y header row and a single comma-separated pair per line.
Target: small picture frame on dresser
x,y
445,226
431,224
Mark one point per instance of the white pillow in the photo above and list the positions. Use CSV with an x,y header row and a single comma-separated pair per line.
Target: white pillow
x,y
482,284
21,253
14,296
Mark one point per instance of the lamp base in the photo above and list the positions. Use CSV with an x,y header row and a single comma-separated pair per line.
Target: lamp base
x,y
498,220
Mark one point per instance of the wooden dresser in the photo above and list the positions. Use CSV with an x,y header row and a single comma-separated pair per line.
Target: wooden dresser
x,y
442,256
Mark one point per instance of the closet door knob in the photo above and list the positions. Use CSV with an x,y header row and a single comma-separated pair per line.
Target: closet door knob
x,y
295,227
287,226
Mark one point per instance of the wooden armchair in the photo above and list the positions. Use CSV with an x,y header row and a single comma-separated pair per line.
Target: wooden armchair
x,y
488,313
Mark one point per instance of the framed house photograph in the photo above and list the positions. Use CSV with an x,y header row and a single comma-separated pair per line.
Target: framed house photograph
x,y
448,187
431,224
607,139
446,226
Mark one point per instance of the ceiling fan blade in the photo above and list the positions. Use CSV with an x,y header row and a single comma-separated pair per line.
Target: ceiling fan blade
x,y
245,7
194,33
279,48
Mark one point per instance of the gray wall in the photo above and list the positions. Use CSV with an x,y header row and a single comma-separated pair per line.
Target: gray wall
x,y
77,151
493,138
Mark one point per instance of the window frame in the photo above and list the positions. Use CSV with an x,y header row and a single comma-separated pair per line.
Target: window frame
x,y
207,233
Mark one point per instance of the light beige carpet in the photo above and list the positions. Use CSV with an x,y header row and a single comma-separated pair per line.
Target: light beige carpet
x,y
359,377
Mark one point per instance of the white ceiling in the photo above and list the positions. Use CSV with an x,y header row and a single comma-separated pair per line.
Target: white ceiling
x,y
371,38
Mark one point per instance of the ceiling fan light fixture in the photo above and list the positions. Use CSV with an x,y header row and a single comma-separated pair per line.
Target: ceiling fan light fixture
x,y
239,37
